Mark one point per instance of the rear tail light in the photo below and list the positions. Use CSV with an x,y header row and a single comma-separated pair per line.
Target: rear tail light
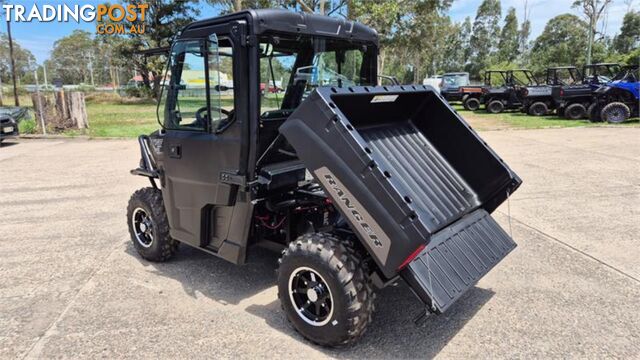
x,y
561,92
411,257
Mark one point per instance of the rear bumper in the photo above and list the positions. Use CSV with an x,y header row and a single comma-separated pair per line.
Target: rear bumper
x,y
456,258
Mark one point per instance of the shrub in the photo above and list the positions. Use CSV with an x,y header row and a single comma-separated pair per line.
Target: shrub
x,y
27,126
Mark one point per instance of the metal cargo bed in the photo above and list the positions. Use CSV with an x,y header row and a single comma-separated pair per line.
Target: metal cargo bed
x,y
409,175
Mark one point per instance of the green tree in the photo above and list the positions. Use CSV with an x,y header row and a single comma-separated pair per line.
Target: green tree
x,y
592,10
72,57
486,31
509,43
163,20
382,15
562,42
629,37
24,59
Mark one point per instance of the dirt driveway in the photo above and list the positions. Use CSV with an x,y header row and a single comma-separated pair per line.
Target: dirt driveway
x,y
72,286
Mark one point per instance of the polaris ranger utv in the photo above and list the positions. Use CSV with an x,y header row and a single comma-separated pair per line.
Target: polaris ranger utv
x,y
540,100
472,95
576,101
358,185
508,96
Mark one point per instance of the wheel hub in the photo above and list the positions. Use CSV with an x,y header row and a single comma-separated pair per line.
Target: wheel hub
x,y
310,296
142,227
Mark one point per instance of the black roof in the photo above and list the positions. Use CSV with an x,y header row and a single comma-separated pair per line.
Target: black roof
x,y
278,20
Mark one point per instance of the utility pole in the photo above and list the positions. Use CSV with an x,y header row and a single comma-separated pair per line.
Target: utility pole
x,y
44,128
44,69
13,64
91,69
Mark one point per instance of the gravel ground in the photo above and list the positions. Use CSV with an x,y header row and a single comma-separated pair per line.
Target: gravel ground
x,y
72,285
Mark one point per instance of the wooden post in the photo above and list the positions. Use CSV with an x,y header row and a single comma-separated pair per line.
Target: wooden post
x,y
78,110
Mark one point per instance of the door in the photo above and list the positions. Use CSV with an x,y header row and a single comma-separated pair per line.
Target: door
x,y
202,141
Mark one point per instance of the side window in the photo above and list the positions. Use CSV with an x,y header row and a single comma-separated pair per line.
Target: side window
x,y
275,71
221,83
186,102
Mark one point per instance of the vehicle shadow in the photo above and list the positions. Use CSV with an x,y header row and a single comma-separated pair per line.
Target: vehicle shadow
x,y
204,274
7,144
391,334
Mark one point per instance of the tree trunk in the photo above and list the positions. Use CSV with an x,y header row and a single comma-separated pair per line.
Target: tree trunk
x,y
237,5
78,110
381,58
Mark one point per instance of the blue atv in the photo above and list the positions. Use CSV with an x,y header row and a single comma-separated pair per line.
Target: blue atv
x,y
618,100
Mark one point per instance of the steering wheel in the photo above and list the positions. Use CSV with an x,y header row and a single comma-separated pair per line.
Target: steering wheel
x,y
201,116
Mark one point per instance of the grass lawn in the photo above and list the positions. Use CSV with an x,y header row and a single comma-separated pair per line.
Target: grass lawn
x,y
121,120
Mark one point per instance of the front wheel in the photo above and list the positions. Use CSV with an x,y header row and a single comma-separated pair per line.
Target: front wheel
x,y
149,227
471,104
495,107
615,113
324,289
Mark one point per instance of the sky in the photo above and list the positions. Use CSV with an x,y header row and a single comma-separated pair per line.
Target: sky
x,y
39,37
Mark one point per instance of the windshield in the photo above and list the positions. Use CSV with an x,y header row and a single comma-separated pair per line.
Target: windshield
x,y
456,80
291,67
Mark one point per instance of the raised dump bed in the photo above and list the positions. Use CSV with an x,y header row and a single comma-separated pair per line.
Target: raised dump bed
x,y
408,174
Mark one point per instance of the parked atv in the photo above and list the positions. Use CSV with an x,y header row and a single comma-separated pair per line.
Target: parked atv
x,y
575,101
509,96
400,187
618,100
472,95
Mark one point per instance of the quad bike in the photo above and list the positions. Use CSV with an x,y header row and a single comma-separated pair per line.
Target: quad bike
x,y
358,186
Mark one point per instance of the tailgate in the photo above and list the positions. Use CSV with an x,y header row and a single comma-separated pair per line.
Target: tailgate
x,y
456,258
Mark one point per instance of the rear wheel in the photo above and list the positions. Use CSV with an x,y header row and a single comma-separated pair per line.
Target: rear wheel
x,y
324,289
471,104
149,227
594,113
575,112
495,107
615,112
538,109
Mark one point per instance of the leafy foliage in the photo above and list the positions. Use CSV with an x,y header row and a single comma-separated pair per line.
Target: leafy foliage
x,y
629,37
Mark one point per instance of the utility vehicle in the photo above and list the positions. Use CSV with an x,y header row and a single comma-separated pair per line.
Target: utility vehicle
x,y
575,101
540,100
618,100
509,96
451,84
359,185
472,96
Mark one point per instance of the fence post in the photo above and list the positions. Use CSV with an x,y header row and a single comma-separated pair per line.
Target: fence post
x,y
44,128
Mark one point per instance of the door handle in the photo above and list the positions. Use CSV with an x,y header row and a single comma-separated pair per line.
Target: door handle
x,y
175,151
